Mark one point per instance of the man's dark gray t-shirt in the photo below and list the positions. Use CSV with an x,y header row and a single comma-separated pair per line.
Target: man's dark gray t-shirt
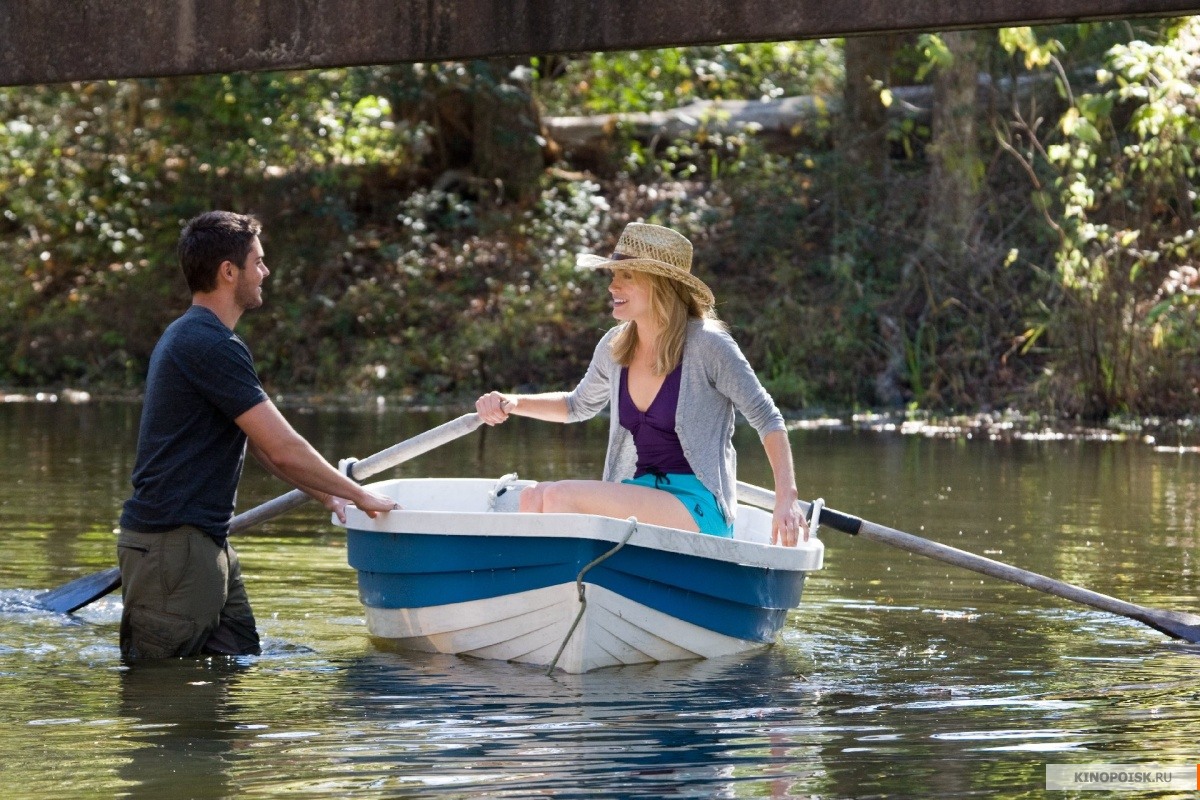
x,y
190,451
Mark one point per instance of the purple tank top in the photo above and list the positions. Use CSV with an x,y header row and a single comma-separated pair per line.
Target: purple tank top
x,y
653,430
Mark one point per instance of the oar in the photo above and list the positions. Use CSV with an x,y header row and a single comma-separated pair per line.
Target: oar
x,y
88,589
1177,624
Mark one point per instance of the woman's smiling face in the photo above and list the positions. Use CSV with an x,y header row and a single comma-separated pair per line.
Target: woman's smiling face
x,y
630,294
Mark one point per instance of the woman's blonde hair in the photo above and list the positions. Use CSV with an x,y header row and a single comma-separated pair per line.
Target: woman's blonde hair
x,y
672,305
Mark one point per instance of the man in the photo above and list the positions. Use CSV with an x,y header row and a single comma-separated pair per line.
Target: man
x,y
181,581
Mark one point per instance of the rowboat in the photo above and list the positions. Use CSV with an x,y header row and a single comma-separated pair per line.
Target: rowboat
x,y
460,570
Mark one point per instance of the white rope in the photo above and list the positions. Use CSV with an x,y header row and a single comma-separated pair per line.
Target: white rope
x,y
500,488
579,588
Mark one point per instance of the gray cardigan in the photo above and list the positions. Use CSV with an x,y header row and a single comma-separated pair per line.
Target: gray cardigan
x,y
716,379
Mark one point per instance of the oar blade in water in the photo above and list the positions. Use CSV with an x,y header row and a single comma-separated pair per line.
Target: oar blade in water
x,y
1177,624
78,593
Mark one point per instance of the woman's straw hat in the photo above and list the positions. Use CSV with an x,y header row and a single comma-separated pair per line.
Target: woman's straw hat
x,y
658,251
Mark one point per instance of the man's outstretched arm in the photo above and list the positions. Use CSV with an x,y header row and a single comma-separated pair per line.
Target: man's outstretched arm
x,y
288,455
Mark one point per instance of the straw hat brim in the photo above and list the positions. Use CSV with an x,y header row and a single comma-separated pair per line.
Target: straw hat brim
x,y
653,266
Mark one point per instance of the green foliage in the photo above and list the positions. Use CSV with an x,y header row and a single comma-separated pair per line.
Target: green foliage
x,y
936,55
604,83
1037,54
468,303
95,179
398,270
801,308
1128,207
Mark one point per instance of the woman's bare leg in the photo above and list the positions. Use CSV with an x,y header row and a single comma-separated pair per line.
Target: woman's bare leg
x,y
620,500
529,501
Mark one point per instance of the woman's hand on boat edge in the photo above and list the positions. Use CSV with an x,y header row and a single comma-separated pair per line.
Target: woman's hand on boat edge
x,y
788,525
494,407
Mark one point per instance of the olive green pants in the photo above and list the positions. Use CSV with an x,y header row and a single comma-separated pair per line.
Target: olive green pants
x,y
183,596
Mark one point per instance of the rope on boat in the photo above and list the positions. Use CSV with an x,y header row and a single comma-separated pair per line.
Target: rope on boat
x,y
633,523
500,488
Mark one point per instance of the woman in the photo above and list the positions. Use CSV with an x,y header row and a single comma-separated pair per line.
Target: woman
x,y
673,376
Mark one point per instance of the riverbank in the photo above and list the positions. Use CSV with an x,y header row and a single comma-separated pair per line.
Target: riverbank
x,y
1164,434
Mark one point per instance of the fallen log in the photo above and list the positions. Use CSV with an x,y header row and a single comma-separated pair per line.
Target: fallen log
x,y
806,118
785,121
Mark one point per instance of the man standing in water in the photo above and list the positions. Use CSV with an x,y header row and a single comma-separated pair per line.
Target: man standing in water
x,y
181,581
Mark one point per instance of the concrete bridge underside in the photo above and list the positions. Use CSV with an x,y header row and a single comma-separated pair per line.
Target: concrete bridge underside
x,y
51,41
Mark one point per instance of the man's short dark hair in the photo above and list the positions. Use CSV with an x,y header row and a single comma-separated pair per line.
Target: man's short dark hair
x,y
211,239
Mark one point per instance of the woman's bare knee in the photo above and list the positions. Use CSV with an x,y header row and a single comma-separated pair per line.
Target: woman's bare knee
x,y
530,499
561,497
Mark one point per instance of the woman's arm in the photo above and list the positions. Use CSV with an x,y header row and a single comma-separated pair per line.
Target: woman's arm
x,y
788,522
734,377
495,407
584,402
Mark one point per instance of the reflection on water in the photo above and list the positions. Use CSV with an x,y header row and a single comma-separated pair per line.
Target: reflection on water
x,y
899,676
177,721
653,730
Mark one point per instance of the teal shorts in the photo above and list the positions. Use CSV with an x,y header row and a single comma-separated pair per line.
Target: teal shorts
x,y
698,500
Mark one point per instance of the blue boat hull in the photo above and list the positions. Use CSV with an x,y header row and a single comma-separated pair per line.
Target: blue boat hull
x,y
454,573
399,570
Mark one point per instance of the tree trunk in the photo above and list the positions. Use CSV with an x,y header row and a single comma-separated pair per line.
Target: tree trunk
x,y
862,135
956,168
933,277
506,126
486,127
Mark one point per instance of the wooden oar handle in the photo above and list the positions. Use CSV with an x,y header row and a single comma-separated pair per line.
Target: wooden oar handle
x,y
268,511
411,448
764,498
846,523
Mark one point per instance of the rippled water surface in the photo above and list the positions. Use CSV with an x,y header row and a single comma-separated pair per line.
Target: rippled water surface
x,y
898,677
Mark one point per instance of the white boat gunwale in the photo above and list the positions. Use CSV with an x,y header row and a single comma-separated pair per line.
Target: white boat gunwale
x,y
805,556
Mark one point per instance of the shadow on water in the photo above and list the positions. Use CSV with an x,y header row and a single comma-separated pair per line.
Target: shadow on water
x,y
181,726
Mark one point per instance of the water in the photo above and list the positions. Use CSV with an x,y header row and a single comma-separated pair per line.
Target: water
x,y
899,677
